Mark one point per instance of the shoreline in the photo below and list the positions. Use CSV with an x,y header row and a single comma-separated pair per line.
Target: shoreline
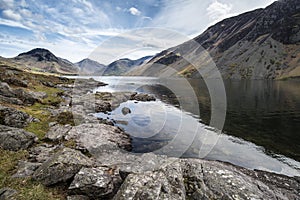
x,y
90,159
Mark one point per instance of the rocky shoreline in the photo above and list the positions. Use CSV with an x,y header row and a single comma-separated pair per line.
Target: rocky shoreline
x,y
89,158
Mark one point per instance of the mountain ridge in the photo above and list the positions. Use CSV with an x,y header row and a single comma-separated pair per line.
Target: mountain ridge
x,y
259,44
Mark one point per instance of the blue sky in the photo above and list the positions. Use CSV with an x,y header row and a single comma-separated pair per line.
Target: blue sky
x,y
72,29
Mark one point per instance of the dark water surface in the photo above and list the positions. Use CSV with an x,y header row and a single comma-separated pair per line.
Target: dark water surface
x,y
261,131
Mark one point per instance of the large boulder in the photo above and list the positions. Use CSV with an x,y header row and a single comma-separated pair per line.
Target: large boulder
x,y
13,117
199,179
5,90
167,183
15,139
61,167
96,183
98,136
26,97
58,132
16,82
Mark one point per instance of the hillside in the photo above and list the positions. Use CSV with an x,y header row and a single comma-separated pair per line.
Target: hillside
x,y
42,60
261,44
90,67
124,65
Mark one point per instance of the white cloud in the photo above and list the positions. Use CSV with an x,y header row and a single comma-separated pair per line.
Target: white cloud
x,y
134,11
185,16
6,4
10,14
217,11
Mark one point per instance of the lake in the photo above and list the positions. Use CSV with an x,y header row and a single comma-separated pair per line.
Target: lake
x,y
261,130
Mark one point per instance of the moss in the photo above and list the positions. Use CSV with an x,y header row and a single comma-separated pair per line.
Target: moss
x,y
70,143
64,118
27,189
40,112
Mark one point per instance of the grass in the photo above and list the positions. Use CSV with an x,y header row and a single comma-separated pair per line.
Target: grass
x,y
27,189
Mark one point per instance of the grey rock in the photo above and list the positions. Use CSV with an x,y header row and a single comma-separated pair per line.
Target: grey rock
x,y
16,82
101,106
26,97
15,139
96,183
128,162
38,95
10,100
42,153
77,197
167,183
5,90
48,84
13,117
26,169
7,194
61,167
97,136
58,132
199,179
215,180
142,97
126,111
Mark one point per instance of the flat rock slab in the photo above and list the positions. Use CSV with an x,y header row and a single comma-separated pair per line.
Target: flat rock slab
x,y
199,179
61,167
15,139
94,136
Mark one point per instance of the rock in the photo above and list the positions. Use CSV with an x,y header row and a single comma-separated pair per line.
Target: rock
x,y
126,110
38,95
24,96
58,132
77,197
61,167
42,153
10,100
101,106
128,162
47,84
97,136
96,183
142,97
5,90
16,82
26,169
199,179
13,117
215,180
162,184
7,194
15,139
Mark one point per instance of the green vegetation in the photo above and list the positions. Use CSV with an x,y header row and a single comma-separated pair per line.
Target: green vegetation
x,y
27,189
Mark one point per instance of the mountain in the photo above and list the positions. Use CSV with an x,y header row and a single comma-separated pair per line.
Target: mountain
x,y
90,67
260,44
43,60
124,65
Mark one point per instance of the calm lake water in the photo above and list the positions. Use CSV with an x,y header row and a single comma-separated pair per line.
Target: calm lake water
x,y
261,131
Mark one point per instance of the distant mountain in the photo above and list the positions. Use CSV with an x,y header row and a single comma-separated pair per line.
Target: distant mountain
x,y
261,44
43,60
122,66
90,67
